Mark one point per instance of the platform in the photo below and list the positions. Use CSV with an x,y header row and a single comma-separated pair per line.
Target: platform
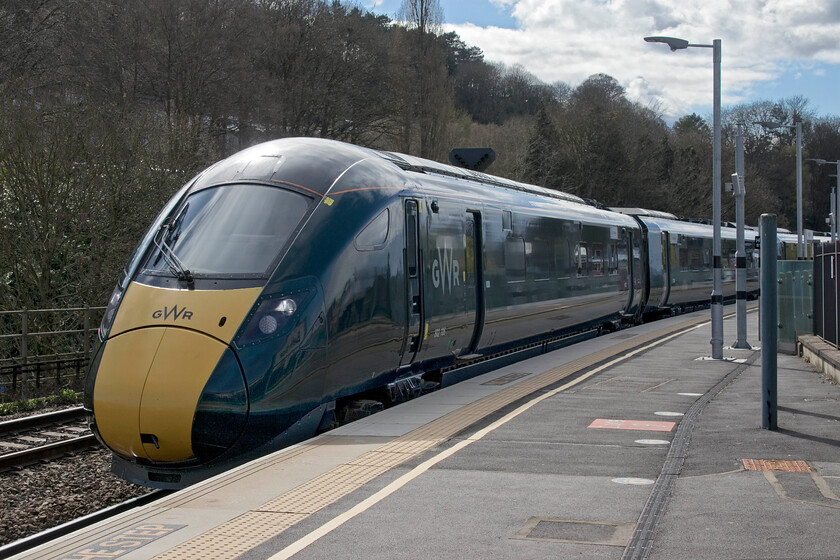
x,y
630,445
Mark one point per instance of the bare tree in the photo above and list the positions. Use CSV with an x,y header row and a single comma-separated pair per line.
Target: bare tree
x,y
432,101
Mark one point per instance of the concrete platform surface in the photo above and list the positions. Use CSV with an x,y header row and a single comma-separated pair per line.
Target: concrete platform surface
x,y
630,445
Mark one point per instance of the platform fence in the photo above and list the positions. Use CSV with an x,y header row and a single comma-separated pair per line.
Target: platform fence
x,y
45,350
795,302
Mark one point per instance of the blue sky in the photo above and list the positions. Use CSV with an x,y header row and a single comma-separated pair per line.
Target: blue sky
x,y
772,49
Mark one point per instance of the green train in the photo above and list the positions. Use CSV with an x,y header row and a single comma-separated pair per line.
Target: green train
x,y
288,283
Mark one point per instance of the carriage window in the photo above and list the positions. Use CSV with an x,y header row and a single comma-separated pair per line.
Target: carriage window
x,y
596,259
562,258
515,259
375,233
507,220
582,259
612,259
538,257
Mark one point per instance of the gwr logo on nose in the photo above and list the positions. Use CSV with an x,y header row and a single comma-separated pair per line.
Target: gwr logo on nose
x,y
173,313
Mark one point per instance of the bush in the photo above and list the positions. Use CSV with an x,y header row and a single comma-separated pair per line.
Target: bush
x,y
64,397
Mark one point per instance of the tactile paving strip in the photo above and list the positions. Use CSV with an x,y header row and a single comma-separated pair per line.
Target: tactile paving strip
x,y
277,515
237,536
772,465
323,490
191,494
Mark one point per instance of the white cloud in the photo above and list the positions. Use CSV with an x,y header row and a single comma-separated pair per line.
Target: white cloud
x,y
569,40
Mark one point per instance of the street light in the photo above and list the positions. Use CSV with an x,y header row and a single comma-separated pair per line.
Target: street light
x,y
739,191
800,246
835,197
717,292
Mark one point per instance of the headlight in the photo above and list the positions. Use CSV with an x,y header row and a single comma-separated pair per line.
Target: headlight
x,y
110,312
271,318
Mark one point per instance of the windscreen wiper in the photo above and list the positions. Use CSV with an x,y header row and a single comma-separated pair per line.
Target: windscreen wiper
x,y
175,265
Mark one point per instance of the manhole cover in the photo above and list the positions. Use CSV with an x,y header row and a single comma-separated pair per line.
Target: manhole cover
x,y
579,532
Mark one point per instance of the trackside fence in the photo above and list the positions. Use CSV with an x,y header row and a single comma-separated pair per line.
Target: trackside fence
x,y
45,349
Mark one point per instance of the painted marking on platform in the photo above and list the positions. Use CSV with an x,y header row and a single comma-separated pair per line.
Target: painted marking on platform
x,y
124,542
667,413
653,441
690,394
633,481
773,465
606,424
649,389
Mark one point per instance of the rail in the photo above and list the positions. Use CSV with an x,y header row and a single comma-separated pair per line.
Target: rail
x,y
29,437
40,420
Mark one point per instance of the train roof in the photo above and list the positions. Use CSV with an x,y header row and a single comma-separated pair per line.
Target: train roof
x,y
314,165
692,228
447,180
311,164
420,165
644,212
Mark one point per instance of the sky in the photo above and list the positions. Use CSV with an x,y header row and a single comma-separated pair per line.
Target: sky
x,y
771,49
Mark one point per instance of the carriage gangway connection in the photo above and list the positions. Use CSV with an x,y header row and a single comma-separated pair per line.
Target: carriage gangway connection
x,y
630,445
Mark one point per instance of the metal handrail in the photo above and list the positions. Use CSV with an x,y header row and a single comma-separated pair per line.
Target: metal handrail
x,y
66,309
44,333
20,365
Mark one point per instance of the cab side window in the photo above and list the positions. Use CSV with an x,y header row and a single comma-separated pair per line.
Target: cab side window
x,y
375,234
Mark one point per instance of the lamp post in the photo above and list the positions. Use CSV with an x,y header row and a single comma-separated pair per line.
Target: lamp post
x,y
717,293
740,250
835,198
800,245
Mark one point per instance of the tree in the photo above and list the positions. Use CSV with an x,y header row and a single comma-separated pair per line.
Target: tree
x,y
541,162
431,102
692,124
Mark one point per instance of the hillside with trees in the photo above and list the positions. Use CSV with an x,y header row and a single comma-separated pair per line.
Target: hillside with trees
x,y
108,106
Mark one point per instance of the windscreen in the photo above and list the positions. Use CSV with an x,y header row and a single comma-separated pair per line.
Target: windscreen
x,y
229,231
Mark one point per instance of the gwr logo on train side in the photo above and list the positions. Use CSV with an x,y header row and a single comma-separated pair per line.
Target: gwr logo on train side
x,y
173,313
446,269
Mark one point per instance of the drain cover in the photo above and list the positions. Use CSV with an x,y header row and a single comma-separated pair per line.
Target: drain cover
x,y
579,532
505,379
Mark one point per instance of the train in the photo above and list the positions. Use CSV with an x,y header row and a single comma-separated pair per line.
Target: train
x,y
304,282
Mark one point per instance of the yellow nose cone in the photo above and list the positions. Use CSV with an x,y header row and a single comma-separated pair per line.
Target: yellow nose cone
x,y
148,384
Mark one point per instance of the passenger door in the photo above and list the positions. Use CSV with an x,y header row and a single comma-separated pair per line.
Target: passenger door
x,y
413,284
666,267
474,277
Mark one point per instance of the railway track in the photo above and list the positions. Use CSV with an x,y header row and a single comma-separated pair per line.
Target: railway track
x,y
25,441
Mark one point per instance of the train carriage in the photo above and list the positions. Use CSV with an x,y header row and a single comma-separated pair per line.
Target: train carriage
x,y
680,261
289,280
